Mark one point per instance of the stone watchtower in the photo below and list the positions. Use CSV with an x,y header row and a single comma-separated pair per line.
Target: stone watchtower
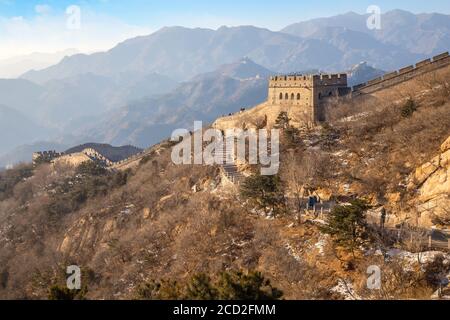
x,y
306,93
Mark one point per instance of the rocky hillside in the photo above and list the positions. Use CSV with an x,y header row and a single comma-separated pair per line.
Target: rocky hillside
x,y
432,182
362,72
71,97
160,221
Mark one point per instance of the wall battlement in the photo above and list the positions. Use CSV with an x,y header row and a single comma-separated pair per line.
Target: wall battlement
x,y
403,74
310,79
299,94
46,156
74,158
304,96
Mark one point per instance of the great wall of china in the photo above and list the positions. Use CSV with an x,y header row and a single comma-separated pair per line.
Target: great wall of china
x,y
402,75
130,161
372,86
88,153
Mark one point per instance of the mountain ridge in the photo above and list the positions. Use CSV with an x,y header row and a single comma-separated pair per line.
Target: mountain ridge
x,y
206,49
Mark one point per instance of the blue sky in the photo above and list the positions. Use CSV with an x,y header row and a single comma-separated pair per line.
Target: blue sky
x,y
273,14
39,25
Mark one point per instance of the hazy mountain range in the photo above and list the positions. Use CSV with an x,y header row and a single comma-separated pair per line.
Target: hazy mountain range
x,y
206,97
23,153
181,53
424,34
16,66
16,128
140,90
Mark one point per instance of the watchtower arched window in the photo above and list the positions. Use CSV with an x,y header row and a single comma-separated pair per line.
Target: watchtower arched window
x,y
281,96
292,96
298,96
286,96
320,96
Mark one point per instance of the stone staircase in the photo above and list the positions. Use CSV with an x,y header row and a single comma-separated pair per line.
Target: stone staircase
x,y
229,167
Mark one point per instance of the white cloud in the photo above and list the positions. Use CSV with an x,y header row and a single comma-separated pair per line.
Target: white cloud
x,y
42,9
49,32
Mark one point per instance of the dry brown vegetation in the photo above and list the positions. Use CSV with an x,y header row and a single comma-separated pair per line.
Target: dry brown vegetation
x,y
380,143
124,229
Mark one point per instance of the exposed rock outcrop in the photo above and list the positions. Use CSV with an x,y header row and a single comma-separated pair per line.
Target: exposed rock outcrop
x,y
432,182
